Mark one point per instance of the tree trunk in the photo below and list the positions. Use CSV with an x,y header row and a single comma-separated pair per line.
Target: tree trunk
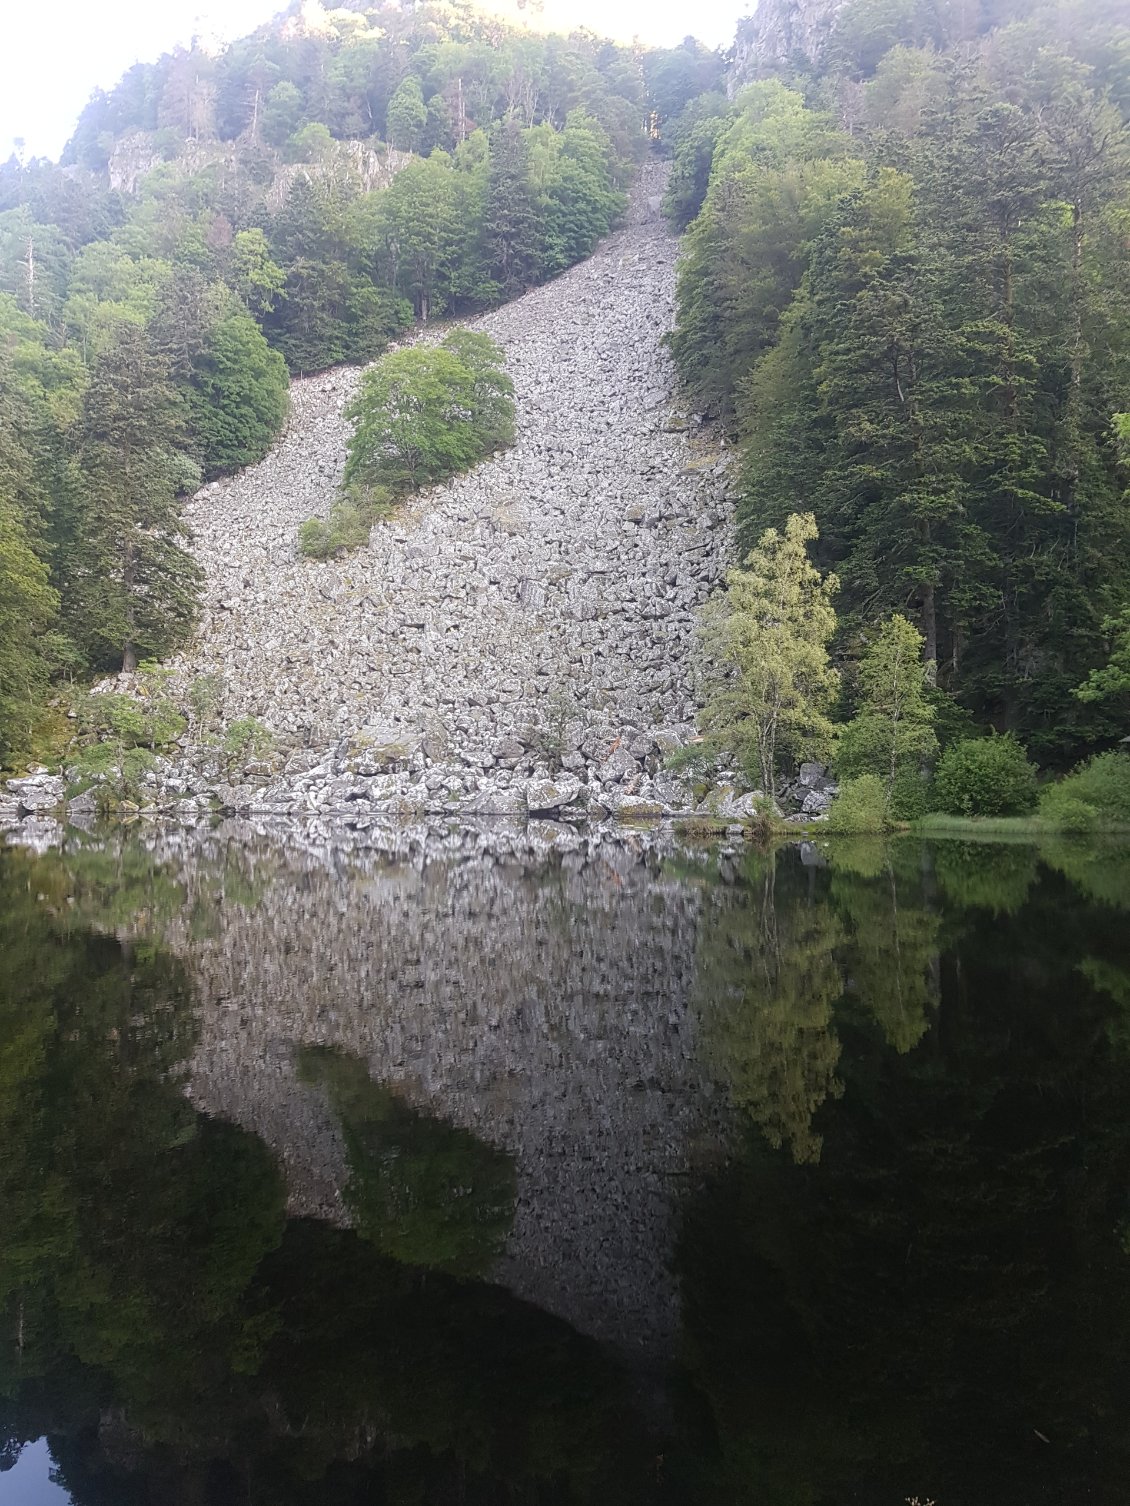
x,y
129,659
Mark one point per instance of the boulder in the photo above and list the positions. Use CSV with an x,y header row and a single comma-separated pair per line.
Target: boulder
x,y
816,803
39,791
619,766
811,774
552,794
727,803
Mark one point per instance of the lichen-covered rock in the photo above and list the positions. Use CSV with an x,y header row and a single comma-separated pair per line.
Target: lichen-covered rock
x,y
552,794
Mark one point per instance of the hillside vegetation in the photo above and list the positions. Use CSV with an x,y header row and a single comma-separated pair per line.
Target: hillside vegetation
x,y
906,293
294,202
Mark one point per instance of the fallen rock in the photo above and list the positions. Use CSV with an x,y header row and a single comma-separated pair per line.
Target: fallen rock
x,y
552,794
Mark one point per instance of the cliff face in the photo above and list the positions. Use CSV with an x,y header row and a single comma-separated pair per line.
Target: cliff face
x,y
781,33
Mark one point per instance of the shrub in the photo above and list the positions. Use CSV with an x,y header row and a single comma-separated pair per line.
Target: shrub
x,y
131,723
987,776
246,738
910,796
348,527
861,806
1102,784
115,773
1063,810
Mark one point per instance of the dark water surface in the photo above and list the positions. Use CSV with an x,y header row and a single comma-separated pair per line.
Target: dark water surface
x,y
453,1169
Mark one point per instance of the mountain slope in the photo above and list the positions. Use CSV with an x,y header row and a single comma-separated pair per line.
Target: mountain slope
x,y
545,602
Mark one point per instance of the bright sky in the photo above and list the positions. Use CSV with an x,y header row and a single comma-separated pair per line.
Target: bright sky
x,y
50,61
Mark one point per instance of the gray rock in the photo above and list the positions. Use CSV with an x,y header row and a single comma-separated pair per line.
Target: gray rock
x,y
811,774
552,794
39,791
817,802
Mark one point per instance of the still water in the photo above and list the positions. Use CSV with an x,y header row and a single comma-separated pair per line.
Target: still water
x,y
484,1167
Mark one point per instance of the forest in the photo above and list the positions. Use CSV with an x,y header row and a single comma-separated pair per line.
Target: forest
x,y
220,222
904,299
906,296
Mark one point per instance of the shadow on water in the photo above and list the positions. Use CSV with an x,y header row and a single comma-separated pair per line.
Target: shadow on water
x,y
837,1136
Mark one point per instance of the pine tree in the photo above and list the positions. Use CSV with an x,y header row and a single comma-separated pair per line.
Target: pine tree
x,y
407,116
131,588
893,729
238,395
28,604
512,232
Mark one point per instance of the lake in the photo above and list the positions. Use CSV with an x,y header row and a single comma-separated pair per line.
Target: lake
x,y
486,1165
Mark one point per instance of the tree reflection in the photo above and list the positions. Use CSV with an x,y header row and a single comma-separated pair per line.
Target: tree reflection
x,y
893,936
180,1341
768,981
941,1307
423,1191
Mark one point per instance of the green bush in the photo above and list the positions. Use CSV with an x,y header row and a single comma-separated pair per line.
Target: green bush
x,y
1102,785
1062,810
246,738
986,776
910,796
115,773
350,522
861,806
131,723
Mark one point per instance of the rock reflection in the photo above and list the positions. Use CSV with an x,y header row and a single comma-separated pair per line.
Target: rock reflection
x,y
535,999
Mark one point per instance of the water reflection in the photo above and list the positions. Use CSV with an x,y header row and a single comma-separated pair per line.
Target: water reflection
x,y
441,1169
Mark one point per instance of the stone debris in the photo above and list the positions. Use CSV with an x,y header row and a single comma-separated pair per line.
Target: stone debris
x,y
533,616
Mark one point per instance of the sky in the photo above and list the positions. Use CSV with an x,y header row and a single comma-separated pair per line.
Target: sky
x,y
47,71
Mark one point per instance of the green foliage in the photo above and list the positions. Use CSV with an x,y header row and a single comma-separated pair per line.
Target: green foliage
x,y
917,317
892,733
512,232
246,739
151,721
1095,795
133,588
1113,679
693,138
862,807
771,683
407,115
350,523
1063,810
240,395
425,413
987,776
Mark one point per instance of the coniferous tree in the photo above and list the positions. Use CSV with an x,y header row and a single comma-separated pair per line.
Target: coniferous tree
x,y
512,232
131,587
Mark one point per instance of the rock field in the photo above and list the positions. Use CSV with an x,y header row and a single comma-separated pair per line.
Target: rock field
x,y
522,639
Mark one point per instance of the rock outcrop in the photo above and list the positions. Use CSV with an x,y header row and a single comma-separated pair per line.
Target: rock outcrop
x,y
781,34
532,617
